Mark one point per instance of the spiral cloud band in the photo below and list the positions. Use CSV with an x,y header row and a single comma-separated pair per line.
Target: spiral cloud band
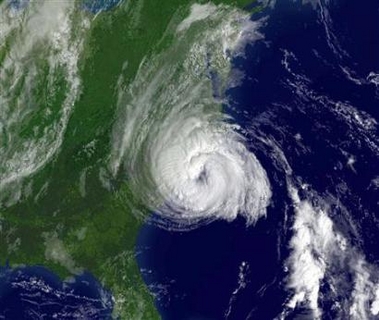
x,y
184,159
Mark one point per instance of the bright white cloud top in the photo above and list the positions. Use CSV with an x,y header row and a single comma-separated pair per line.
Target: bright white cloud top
x,y
185,158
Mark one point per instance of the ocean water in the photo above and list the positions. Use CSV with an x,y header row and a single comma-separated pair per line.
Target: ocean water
x,y
194,274
34,292
308,104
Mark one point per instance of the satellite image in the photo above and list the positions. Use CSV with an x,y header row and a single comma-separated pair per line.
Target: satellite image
x,y
189,159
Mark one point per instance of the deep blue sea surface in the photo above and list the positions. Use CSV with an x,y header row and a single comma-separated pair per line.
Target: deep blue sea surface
x,y
34,292
195,273
311,86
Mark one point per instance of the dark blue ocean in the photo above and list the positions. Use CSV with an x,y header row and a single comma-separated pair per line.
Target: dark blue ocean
x,y
306,85
311,86
34,292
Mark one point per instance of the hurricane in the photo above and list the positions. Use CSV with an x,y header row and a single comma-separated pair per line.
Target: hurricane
x,y
196,167
246,118
189,159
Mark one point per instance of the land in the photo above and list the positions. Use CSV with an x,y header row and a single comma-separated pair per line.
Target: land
x,y
75,216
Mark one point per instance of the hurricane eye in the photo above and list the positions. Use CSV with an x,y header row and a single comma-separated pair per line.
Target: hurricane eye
x,y
202,177
177,136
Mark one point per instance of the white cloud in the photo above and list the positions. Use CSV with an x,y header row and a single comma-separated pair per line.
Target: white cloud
x,y
375,304
322,254
311,244
198,12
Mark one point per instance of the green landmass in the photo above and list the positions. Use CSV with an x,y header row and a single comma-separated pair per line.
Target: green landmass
x,y
69,219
